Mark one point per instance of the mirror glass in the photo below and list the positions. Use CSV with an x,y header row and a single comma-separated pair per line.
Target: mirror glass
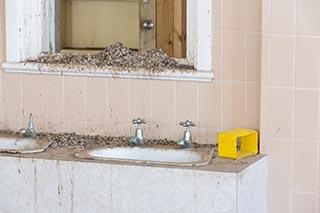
x,y
92,25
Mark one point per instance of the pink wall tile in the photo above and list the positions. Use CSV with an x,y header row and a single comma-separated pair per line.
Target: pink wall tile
x,y
254,8
96,99
266,16
2,44
305,161
160,132
217,5
53,91
32,87
279,201
121,129
304,202
308,17
141,99
186,101
263,145
306,111
280,113
282,61
96,128
307,62
118,101
280,164
78,127
74,98
12,97
234,15
163,105
210,105
282,16
265,58
234,56
13,124
54,126
217,51
264,112
234,110
2,11
208,135
253,106
253,57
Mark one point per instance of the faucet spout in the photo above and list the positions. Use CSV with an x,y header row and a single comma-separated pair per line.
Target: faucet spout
x,y
30,132
186,142
138,140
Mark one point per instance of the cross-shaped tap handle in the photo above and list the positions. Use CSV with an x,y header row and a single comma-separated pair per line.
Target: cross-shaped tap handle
x,y
139,121
187,123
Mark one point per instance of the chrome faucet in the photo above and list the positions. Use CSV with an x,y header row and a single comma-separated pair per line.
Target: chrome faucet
x,y
30,132
186,142
138,140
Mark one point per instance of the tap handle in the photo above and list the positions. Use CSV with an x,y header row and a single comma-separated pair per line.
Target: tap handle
x,y
187,124
138,121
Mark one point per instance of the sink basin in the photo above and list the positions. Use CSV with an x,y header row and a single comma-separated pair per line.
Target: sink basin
x,y
176,157
21,145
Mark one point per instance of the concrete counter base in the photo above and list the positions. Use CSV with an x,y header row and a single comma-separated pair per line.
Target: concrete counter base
x,y
48,185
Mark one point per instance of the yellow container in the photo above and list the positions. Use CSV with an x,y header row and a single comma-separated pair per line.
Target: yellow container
x,y
237,143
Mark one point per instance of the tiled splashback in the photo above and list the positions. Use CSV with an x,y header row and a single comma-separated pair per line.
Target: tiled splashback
x,y
106,106
290,103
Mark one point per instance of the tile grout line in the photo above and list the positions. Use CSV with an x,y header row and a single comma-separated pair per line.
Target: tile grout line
x,y
64,104
198,112
268,79
221,62
293,104
130,111
151,107
290,35
43,107
85,105
289,190
175,108
246,66
107,106
21,98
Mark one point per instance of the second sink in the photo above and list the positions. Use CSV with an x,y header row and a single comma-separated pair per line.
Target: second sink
x,y
150,155
21,145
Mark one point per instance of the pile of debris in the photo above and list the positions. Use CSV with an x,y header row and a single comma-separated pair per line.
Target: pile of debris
x,y
115,55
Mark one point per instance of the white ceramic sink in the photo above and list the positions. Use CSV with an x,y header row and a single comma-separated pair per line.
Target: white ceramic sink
x,y
21,145
179,157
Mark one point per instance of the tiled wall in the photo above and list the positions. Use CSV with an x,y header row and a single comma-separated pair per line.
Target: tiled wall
x,y
106,106
290,103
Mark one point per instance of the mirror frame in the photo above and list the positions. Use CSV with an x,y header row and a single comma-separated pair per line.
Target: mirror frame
x,y
31,21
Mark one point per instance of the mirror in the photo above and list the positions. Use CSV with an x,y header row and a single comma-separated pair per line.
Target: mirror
x,y
92,25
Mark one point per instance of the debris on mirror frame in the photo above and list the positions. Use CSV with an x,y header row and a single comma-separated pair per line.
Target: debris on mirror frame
x,y
117,56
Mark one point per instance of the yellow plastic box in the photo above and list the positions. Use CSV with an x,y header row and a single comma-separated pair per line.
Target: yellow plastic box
x,y
237,143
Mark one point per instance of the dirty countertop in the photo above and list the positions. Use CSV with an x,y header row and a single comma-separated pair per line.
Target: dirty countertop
x,y
64,146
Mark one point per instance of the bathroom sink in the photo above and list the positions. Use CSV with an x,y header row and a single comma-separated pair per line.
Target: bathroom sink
x,y
21,145
148,155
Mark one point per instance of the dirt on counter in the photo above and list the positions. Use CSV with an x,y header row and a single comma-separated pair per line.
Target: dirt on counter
x,y
117,56
85,142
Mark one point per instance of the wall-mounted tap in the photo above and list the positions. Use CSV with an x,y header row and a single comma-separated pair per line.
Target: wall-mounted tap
x,y
138,140
30,132
186,142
